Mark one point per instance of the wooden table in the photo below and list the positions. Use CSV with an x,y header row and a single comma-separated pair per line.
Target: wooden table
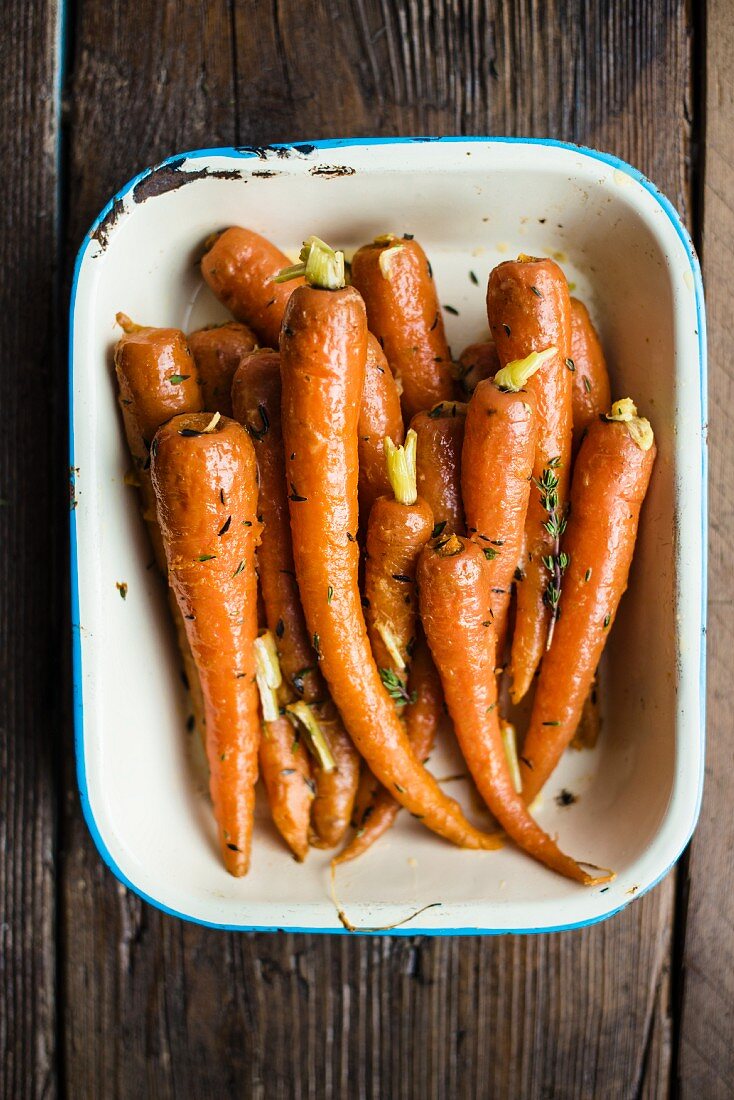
x,y
102,996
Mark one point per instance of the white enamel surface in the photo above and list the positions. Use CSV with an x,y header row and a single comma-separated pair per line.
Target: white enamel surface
x,y
471,204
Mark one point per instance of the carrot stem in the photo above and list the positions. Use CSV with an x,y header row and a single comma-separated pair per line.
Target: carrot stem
x,y
320,265
315,737
401,468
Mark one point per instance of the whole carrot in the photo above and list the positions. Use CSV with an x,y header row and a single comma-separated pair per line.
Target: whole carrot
x,y
399,526
476,362
205,481
496,469
455,606
239,266
323,353
157,379
440,433
284,762
610,480
256,398
375,809
529,311
379,416
591,394
217,350
395,279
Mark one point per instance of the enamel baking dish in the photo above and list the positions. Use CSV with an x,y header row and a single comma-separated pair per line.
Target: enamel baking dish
x,y
471,202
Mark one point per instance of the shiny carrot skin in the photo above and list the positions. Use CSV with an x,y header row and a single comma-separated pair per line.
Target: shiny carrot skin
x,y
375,809
379,415
476,362
205,484
591,392
529,310
157,379
217,350
256,398
455,606
323,354
610,480
394,277
440,433
496,467
239,266
396,534
286,771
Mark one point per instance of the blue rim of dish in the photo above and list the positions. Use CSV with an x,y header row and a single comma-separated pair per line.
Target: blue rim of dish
x,y
247,153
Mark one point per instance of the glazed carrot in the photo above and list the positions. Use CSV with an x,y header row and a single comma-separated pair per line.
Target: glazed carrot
x,y
256,399
610,480
496,467
375,809
395,279
379,416
256,395
157,379
440,433
529,311
476,362
284,762
455,606
591,394
323,353
217,350
239,266
336,788
399,527
205,482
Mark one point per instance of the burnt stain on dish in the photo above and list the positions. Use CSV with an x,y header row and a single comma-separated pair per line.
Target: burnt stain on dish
x,y
331,171
102,233
265,173
171,176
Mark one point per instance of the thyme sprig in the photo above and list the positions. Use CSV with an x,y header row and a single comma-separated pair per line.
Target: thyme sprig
x,y
557,561
397,687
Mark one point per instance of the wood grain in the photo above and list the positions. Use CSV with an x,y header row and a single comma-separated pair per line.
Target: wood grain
x,y
155,1007
32,481
706,1057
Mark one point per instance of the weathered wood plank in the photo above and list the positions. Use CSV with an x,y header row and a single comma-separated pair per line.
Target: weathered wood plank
x,y
706,1058
33,538
158,1008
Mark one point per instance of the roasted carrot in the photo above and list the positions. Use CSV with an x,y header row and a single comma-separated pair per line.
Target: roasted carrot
x,y
455,594
399,526
476,362
395,279
217,350
375,809
496,469
256,399
205,481
284,762
256,395
440,433
529,311
379,416
157,379
591,393
611,477
239,266
323,353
